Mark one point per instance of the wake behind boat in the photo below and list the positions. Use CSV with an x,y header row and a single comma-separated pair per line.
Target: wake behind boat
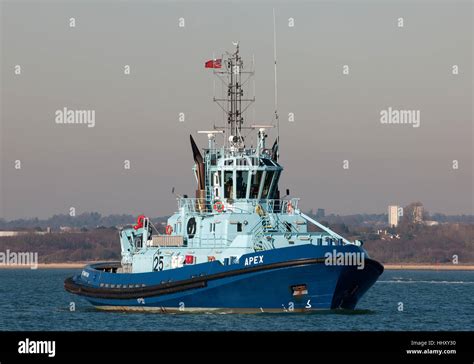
x,y
237,246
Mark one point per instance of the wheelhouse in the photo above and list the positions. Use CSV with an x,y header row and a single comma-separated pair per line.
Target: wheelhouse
x,y
242,177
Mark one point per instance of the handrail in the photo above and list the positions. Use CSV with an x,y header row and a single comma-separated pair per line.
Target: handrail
x,y
210,241
325,228
285,206
279,224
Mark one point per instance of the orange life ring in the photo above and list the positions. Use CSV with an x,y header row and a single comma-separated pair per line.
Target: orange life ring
x,y
169,229
218,206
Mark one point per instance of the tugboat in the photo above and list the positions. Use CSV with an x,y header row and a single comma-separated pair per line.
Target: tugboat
x,y
237,246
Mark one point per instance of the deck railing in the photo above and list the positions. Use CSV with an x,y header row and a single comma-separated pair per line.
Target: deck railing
x,y
196,205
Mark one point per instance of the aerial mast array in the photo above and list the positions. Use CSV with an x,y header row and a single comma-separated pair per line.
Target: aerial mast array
x,y
234,105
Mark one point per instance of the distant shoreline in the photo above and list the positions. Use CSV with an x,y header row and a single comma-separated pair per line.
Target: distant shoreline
x,y
389,266
414,266
47,266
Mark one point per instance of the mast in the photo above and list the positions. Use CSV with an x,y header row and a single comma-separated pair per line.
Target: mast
x,y
234,105
235,93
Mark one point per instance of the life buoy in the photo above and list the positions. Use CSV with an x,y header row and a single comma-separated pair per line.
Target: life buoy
x,y
218,206
169,229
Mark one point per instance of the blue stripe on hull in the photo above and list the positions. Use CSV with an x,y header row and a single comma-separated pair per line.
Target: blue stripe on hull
x,y
327,286
267,290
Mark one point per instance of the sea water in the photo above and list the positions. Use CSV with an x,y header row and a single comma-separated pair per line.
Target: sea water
x,y
401,300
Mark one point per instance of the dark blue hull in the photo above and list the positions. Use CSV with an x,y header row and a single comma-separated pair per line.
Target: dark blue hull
x,y
288,279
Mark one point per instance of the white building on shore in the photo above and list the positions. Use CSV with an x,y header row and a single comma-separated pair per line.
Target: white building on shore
x,y
393,215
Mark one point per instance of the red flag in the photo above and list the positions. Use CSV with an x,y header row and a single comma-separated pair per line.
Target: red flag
x,y
214,63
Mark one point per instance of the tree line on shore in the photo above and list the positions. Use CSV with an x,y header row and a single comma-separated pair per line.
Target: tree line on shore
x,y
412,243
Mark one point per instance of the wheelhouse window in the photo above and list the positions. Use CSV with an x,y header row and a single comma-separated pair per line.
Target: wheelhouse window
x,y
255,184
267,183
266,162
241,183
274,185
241,162
228,184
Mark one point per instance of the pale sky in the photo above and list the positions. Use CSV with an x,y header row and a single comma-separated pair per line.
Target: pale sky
x,y
337,116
